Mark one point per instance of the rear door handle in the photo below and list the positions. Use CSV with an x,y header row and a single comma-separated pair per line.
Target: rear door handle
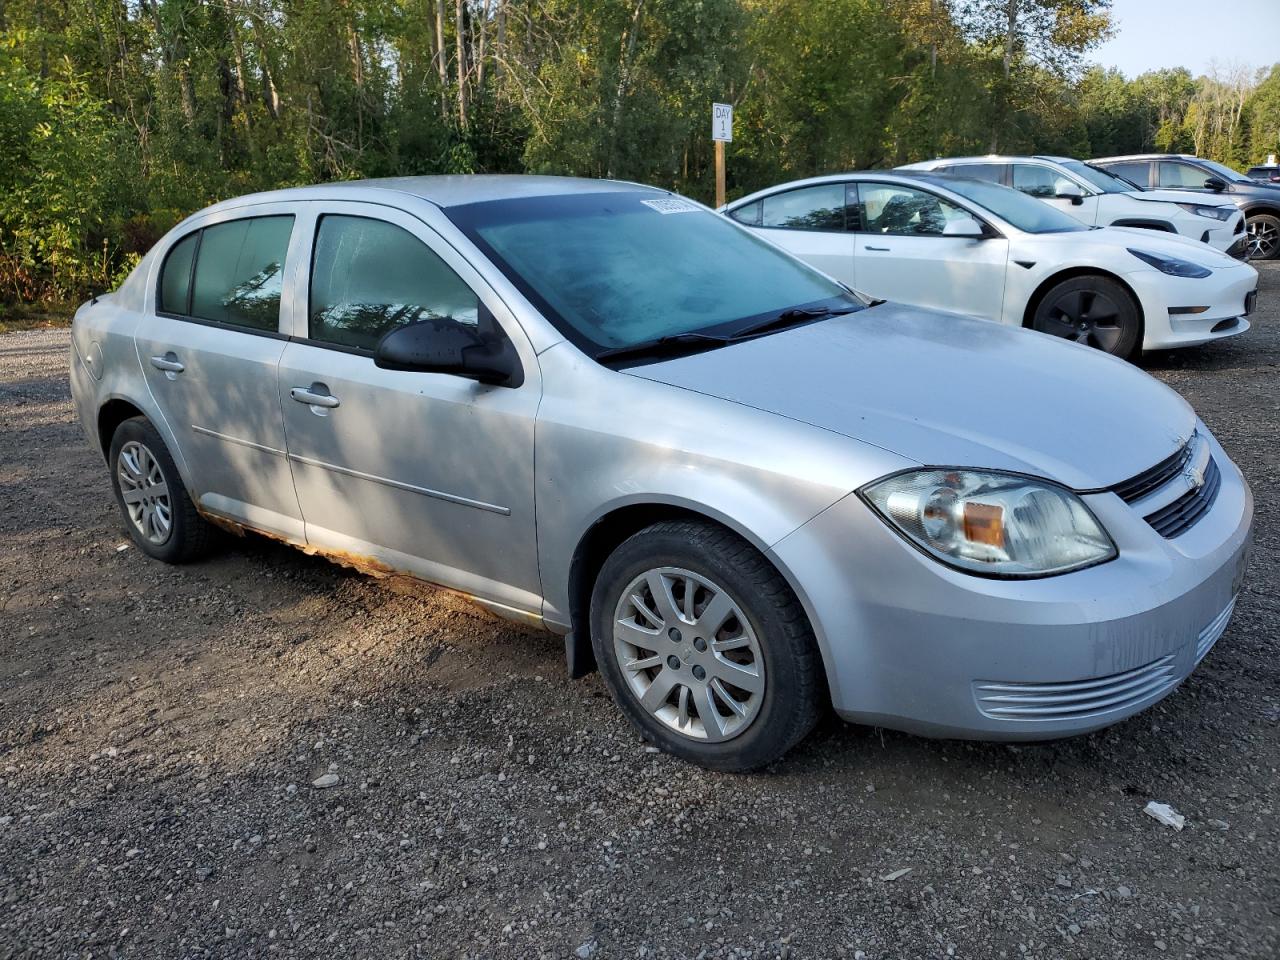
x,y
877,249
316,395
169,363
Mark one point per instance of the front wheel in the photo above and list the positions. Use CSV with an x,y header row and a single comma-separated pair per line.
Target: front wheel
x,y
705,647
1093,311
1264,236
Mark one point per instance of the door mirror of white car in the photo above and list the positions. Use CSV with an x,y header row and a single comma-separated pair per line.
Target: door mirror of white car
x,y
1216,184
964,226
1069,191
444,345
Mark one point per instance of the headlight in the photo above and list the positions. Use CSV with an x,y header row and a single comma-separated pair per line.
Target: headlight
x,y
994,524
1172,266
1216,213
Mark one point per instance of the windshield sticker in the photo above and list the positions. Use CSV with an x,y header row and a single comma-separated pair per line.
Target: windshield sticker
x,y
672,205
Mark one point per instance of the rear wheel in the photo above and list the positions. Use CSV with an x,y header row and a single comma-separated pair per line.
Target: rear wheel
x,y
158,512
1264,236
705,647
1094,311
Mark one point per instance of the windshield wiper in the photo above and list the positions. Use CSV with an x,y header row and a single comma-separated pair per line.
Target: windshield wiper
x,y
673,344
790,317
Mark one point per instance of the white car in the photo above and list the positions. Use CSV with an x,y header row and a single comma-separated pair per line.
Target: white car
x,y
1099,198
987,251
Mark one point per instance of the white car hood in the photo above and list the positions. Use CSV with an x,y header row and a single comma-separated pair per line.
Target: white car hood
x,y
944,390
1121,239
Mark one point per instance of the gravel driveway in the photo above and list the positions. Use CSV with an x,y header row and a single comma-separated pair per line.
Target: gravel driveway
x,y
161,729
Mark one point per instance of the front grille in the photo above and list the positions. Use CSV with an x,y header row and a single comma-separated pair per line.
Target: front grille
x,y
1135,488
1077,699
1178,517
1210,634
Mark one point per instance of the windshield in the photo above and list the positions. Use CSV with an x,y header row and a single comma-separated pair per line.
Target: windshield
x,y
1099,178
1226,173
613,270
1013,206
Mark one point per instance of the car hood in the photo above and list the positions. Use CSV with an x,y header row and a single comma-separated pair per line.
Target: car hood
x,y
1122,239
944,390
1183,196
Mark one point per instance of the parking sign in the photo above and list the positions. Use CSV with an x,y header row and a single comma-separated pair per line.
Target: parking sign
x,y
722,122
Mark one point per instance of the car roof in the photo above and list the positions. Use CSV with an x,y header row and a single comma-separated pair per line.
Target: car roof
x,y
443,191
899,175
1148,156
1002,158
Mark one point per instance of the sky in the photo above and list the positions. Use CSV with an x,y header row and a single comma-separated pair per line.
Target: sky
x,y
1151,34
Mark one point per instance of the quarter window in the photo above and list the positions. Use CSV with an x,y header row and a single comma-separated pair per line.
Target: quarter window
x,y
1040,181
749,214
905,211
1182,175
369,277
810,208
175,276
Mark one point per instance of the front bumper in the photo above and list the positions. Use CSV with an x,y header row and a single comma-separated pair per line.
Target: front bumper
x,y
910,644
1225,294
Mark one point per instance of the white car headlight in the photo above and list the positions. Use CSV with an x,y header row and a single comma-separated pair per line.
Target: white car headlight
x,y
1215,213
990,523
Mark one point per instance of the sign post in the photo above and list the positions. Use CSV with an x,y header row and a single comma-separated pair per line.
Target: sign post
x,y
721,133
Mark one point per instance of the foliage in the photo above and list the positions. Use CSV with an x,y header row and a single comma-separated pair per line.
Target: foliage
x,y
119,117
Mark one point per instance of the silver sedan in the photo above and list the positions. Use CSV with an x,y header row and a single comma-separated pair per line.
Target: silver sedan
x,y
739,489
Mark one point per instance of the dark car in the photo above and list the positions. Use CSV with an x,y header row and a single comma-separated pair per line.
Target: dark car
x,y
1259,200
1267,173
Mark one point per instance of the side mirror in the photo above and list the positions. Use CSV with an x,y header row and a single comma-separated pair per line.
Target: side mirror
x,y
966,226
1071,192
446,346
1216,184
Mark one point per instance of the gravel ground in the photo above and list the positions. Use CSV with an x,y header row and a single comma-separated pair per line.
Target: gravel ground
x,y
161,729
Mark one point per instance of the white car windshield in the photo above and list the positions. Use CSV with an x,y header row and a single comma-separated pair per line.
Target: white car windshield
x,y
613,270
1101,179
1013,206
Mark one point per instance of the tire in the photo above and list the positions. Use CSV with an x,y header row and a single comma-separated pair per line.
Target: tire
x,y
760,637
1264,236
164,526
1094,311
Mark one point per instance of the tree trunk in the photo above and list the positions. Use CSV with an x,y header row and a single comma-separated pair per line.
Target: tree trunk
x,y
460,12
626,50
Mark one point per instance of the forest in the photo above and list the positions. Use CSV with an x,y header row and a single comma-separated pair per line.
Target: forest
x,y
120,117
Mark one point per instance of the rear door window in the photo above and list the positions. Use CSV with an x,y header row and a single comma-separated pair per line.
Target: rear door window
x,y
990,172
239,272
1135,171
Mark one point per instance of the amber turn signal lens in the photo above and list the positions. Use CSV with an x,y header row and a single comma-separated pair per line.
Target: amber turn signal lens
x,y
984,523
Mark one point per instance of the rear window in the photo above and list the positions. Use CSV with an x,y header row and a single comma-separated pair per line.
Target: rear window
x,y
231,273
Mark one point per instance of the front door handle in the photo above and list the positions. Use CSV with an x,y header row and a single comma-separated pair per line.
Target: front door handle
x,y
877,249
170,364
316,395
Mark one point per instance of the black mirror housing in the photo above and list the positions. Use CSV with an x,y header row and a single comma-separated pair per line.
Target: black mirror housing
x,y
1216,184
444,345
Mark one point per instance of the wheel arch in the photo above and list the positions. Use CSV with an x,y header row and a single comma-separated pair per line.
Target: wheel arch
x,y
1071,273
1262,206
110,415
607,533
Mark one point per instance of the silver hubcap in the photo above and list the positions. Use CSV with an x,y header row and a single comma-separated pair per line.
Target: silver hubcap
x,y
145,492
1264,237
688,654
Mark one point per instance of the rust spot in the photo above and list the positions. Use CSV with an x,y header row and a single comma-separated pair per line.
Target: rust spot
x,y
401,581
